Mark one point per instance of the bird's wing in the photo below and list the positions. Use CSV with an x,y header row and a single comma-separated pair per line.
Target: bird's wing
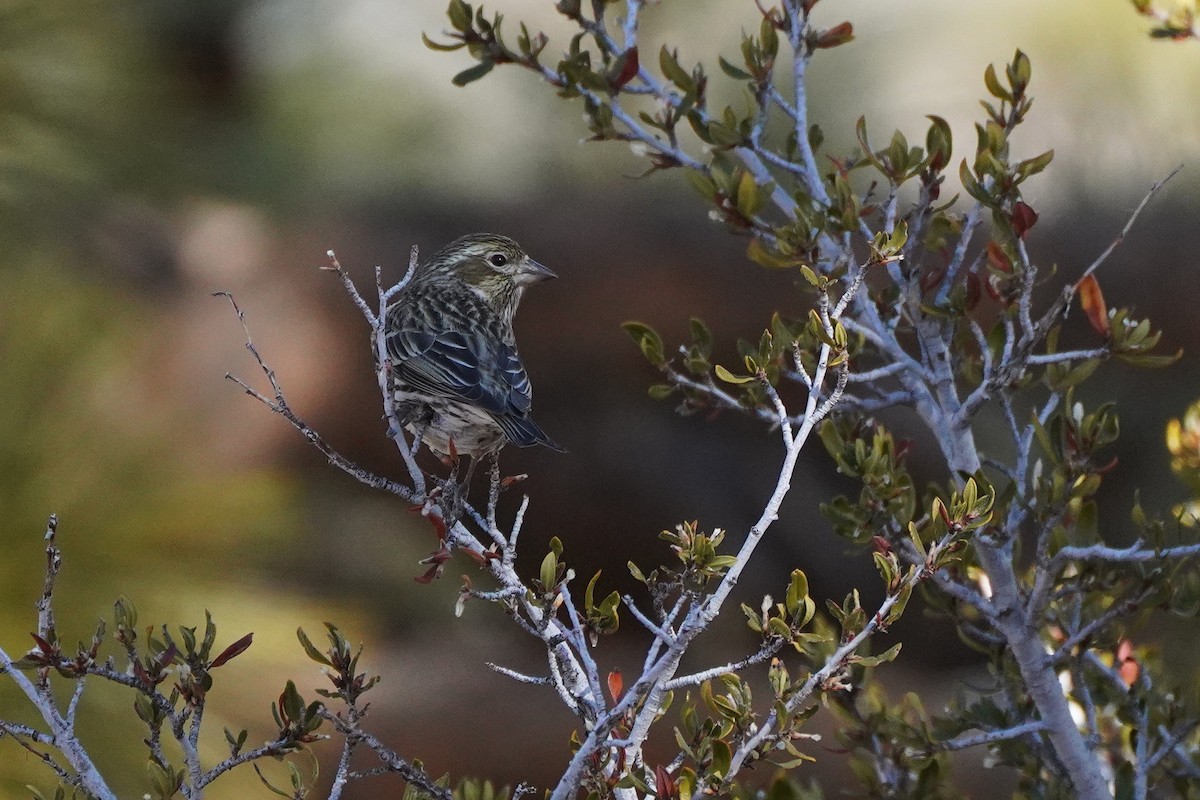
x,y
471,367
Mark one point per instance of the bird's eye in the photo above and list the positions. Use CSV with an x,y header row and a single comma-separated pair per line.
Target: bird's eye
x,y
498,259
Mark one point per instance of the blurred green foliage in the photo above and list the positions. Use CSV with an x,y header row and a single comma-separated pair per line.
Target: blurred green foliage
x,y
139,518
107,102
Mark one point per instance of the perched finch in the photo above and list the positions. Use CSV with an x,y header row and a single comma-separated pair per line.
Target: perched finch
x,y
457,374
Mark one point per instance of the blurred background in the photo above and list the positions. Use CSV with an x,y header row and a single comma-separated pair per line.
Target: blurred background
x,y
152,153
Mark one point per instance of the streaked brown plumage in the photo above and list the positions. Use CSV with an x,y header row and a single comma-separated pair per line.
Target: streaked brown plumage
x,y
458,376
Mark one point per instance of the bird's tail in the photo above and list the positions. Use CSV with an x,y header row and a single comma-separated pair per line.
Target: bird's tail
x,y
524,432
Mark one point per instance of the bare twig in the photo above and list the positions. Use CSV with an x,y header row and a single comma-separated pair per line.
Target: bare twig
x,y
391,761
1100,259
991,737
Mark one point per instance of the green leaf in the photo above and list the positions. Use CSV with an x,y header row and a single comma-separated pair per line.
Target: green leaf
x,y
1149,361
473,73
757,252
648,340
702,184
661,391
732,71
748,196
1033,166
882,658
460,15
291,703
310,649
939,143
549,571
729,377
445,48
721,757
993,84
668,62
1022,70
797,591
589,593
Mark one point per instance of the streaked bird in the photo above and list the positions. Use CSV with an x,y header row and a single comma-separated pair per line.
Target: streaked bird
x,y
458,377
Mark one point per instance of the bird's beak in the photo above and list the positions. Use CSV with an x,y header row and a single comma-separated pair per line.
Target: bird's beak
x,y
532,272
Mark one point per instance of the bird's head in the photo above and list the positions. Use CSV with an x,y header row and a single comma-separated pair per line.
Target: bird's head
x,y
494,266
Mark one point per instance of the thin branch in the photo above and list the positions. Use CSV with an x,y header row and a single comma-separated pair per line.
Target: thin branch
x,y
1173,743
394,763
582,653
647,623
974,216
520,677
836,662
63,735
277,747
45,604
383,375
351,290
1135,553
279,406
1095,265
21,733
769,648
876,374
991,737
1081,636
798,19
1069,355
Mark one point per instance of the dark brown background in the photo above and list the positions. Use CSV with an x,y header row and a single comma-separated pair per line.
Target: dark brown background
x,y
162,153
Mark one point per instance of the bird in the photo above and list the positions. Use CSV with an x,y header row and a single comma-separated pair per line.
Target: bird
x,y
458,382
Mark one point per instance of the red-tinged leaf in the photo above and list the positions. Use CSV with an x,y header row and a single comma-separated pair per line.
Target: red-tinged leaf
x,y
233,651
475,555
615,685
931,277
942,511
439,526
1092,300
453,452
43,645
837,35
881,544
429,575
1023,218
1107,468
841,165
167,656
998,259
282,705
664,784
1129,668
974,289
1129,672
629,68
437,557
140,673
509,480
994,288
